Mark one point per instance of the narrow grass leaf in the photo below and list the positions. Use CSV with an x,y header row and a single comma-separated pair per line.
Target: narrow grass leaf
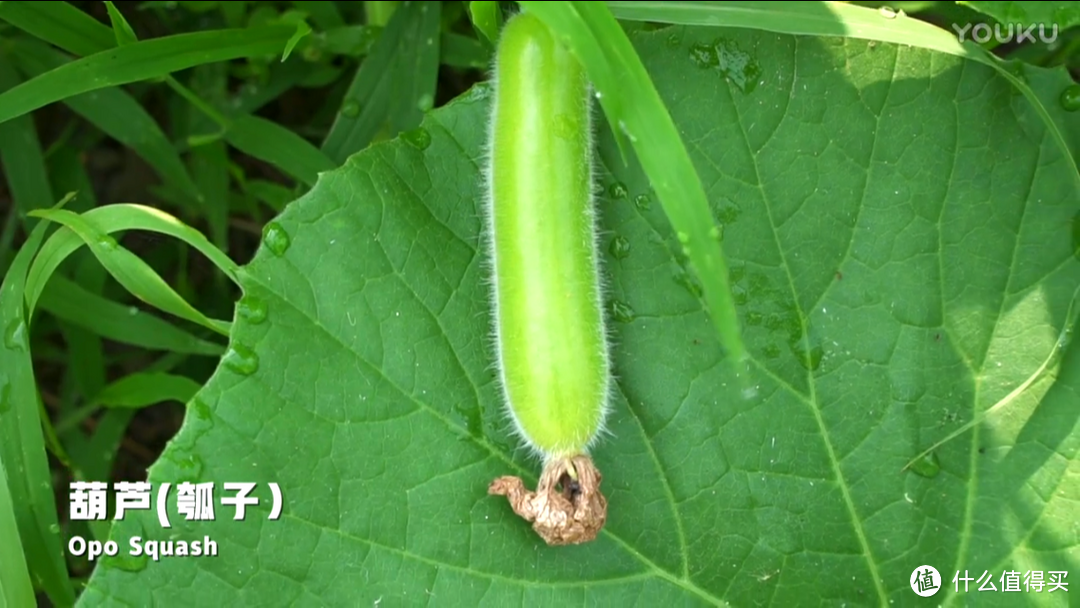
x,y
118,218
61,24
67,300
485,18
324,14
302,30
15,586
273,195
118,115
141,61
273,143
394,85
350,40
121,28
21,155
463,52
129,270
635,110
142,389
22,446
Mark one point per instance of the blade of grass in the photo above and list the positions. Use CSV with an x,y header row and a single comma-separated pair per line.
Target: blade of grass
x,y
141,61
129,270
836,19
486,19
272,195
380,12
273,143
634,109
15,586
117,114
463,52
22,446
135,391
69,301
324,14
146,388
394,85
118,218
61,24
20,153
121,28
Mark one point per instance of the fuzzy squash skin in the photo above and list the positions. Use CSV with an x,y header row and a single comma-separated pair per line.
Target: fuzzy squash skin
x,y
550,329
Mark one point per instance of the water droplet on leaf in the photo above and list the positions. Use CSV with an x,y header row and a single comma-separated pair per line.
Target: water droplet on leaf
x,y
418,138
737,66
469,414
622,311
252,309
276,239
810,360
683,237
682,277
927,466
241,360
425,102
703,55
202,410
642,202
887,12
618,190
620,247
1070,98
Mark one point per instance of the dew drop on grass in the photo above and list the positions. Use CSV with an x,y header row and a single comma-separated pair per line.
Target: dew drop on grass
x,y
15,334
350,109
276,239
620,247
887,12
425,102
618,191
1070,98
107,243
252,309
622,312
642,202
927,466
54,528
241,360
418,138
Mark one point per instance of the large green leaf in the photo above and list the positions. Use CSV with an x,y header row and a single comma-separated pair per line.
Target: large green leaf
x,y
897,220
